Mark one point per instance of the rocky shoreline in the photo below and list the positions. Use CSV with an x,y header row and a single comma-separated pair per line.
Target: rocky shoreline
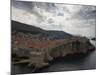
x,y
37,50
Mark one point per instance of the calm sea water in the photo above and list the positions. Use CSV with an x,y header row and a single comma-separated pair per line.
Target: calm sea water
x,y
81,62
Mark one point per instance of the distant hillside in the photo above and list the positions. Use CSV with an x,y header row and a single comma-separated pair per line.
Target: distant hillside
x,y
25,28
17,26
58,34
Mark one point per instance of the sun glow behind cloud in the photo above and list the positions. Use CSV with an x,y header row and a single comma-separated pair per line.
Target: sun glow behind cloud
x,y
74,19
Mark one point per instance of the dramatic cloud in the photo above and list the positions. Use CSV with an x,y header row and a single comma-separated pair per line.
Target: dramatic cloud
x,y
74,19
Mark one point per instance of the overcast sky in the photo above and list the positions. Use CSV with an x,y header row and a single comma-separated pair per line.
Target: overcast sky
x,y
74,19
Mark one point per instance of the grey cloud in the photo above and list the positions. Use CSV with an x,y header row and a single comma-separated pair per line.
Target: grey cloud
x,y
23,5
50,20
29,7
66,10
44,5
86,12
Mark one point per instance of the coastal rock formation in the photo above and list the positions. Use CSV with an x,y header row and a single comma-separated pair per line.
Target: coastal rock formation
x,y
33,45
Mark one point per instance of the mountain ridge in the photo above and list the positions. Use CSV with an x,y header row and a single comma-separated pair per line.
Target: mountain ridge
x,y
51,34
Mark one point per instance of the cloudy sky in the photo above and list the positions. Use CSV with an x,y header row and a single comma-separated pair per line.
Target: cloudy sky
x,y
74,19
